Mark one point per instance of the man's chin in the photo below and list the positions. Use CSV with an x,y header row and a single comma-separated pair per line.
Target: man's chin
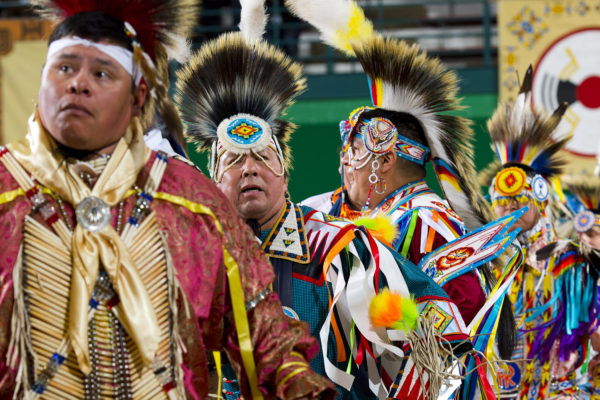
x,y
355,204
252,210
74,139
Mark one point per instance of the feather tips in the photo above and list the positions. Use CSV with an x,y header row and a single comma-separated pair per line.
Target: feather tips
x,y
527,81
253,19
586,189
154,20
228,76
521,134
341,23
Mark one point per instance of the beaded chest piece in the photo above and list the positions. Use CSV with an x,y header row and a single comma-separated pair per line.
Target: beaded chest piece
x,y
42,288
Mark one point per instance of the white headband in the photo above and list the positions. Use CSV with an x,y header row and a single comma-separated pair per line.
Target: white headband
x,y
120,54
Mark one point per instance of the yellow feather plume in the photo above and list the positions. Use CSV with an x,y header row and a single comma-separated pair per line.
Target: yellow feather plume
x,y
341,23
359,28
380,226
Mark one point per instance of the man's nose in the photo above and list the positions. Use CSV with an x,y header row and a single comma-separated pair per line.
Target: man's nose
x,y
249,166
345,159
79,84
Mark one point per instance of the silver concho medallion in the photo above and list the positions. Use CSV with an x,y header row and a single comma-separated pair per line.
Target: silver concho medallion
x,y
93,214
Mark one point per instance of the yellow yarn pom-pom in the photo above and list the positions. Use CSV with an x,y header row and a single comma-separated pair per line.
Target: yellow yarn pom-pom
x,y
380,226
391,310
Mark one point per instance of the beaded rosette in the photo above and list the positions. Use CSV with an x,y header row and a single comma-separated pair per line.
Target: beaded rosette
x,y
584,201
586,220
380,136
42,289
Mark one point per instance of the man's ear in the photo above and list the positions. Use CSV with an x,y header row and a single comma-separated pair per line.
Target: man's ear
x,y
388,161
139,98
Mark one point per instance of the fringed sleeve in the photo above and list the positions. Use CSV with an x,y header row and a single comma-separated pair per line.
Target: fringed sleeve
x,y
13,209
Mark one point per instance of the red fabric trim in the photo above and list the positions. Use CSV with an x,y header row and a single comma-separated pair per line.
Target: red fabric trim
x,y
309,279
52,219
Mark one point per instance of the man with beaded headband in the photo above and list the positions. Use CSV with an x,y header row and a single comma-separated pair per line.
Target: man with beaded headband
x,y
554,295
231,97
122,267
388,145
584,203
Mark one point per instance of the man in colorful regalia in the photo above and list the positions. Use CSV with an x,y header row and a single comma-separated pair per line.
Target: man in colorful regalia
x,y
231,97
554,295
584,203
121,267
388,145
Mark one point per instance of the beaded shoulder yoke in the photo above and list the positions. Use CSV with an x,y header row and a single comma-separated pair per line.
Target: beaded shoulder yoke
x,y
42,288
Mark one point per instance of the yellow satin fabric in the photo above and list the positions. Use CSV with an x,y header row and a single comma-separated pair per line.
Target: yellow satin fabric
x,y
135,311
7,197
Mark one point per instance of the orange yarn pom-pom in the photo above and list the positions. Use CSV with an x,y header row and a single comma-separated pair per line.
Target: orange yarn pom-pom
x,y
391,310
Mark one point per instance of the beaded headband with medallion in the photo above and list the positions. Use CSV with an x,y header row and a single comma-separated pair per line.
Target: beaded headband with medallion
x,y
527,152
231,96
586,191
513,183
243,134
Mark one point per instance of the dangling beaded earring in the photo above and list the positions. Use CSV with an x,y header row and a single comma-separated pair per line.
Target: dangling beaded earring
x,y
373,179
382,181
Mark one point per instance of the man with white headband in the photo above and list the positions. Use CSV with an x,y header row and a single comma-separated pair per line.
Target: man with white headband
x,y
121,267
555,293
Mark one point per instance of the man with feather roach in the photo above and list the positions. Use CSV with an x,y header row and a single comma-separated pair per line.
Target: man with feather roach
x,y
385,150
555,294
